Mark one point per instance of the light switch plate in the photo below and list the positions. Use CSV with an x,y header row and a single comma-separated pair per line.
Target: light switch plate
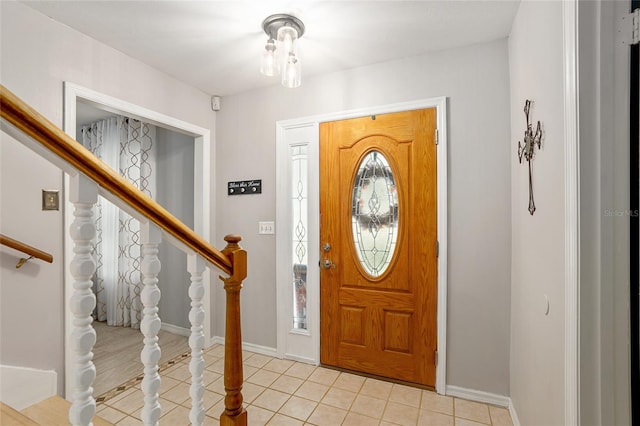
x,y
266,228
50,200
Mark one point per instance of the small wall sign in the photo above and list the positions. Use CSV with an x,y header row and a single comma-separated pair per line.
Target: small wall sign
x,y
243,187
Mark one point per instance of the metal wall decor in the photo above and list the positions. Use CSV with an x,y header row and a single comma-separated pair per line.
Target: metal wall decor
x,y
531,140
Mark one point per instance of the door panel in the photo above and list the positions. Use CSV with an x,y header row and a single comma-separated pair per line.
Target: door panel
x,y
378,194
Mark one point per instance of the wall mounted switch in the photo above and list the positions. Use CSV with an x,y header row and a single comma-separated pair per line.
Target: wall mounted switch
x,y
266,228
50,200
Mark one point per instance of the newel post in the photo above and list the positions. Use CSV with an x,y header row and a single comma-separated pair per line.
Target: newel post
x,y
234,413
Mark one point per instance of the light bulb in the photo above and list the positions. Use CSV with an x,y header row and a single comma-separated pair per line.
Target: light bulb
x,y
292,72
287,37
268,65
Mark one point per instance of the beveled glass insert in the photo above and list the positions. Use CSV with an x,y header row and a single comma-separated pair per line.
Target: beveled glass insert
x,y
374,213
299,233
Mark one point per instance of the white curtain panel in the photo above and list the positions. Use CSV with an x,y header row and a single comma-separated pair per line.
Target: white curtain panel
x,y
128,146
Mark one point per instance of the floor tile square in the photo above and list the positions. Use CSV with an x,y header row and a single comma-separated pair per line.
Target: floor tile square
x,y
167,383
355,419
178,394
271,400
298,408
216,351
248,371
339,398
278,365
405,395
350,382
209,359
130,403
110,414
280,420
263,378
376,388
129,421
179,416
500,416
217,386
400,414
324,376
312,391
179,372
217,366
325,415
209,377
300,370
257,360
432,418
216,410
209,399
251,391
369,406
258,416
472,411
286,384
166,406
465,422
434,402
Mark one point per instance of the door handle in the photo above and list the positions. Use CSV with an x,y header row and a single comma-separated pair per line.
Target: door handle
x,y
328,264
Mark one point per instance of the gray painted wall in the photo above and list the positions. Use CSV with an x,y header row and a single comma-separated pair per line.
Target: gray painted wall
x,y
537,243
175,179
476,81
34,65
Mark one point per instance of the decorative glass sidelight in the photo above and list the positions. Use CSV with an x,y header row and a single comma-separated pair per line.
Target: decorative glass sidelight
x,y
299,225
374,213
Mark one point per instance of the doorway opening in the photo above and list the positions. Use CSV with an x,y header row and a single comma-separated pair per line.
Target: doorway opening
x,y
183,176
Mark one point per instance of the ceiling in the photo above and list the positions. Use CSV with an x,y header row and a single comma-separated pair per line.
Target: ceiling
x,y
216,46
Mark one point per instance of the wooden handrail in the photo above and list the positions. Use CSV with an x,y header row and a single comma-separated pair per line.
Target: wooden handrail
x,y
26,249
35,125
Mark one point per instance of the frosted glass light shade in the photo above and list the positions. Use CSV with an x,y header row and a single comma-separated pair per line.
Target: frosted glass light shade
x,y
291,74
268,66
287,44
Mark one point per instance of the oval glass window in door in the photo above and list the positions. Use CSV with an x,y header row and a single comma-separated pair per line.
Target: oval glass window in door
x,y
374,213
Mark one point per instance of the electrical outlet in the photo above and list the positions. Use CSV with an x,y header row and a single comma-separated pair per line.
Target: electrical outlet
x,y
266,228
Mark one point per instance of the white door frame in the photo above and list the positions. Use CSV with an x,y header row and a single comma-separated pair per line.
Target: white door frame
x,y
571,213
202,188
304,345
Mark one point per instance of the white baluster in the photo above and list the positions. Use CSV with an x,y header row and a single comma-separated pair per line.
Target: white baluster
x,y
83,194
195,266
150,324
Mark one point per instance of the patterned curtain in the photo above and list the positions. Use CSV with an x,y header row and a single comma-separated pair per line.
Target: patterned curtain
x,y
128,146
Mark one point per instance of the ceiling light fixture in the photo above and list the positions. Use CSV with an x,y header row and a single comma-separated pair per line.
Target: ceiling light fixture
x,y
281,51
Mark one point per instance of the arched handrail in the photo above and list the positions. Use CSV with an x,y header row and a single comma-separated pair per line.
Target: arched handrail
x,y
35,125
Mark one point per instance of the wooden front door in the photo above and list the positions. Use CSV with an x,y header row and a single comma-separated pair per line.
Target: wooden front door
x,y
378,232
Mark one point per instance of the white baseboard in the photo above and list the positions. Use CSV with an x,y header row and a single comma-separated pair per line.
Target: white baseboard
x,y
300,359
251,347
486,398
479,396
21,387
514,415
181,331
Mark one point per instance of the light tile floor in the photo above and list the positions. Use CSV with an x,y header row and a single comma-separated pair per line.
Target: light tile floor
x,y
283,392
